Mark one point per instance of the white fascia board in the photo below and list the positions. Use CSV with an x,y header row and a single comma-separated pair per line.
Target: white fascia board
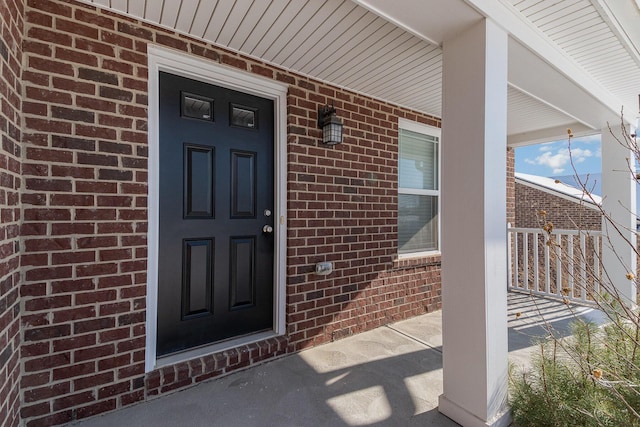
x,y
512,21
558,133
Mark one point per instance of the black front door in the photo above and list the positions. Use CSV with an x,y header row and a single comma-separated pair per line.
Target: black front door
x,y
215,260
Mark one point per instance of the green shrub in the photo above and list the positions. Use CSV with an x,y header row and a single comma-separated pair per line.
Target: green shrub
x,y
589,379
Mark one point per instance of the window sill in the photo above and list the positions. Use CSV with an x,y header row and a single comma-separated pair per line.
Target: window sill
x,y
419,259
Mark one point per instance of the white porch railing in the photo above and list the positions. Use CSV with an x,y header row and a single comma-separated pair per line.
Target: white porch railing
x,y
569,266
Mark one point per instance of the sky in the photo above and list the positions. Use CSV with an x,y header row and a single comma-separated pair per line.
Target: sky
x,y
559,158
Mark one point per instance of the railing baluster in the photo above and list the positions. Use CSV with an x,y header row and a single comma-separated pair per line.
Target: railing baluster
x,y
516,260
536,264
525,254
510,258
559,264
530,239
547,269
596,265
570,267
583,267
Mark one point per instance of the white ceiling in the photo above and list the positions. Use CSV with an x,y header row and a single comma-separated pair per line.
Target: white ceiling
x,y
391,50
590,33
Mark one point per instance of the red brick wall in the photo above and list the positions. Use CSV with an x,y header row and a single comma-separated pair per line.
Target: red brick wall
x,y
563,213
511,187
11,29
85,218
84,233
343,208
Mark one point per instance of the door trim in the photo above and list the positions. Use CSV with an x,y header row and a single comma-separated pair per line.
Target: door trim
x,y
179,63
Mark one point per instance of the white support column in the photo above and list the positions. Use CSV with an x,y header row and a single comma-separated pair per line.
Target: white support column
x,y
474,238
619,204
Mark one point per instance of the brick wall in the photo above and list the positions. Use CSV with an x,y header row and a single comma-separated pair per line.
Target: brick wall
x,y
511,187
84,232
11,29
563,213
343,208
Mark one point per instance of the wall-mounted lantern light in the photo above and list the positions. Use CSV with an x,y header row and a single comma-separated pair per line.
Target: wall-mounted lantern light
x,y
330,124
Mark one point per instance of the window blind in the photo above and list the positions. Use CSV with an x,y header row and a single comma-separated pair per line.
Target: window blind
x,y
418,161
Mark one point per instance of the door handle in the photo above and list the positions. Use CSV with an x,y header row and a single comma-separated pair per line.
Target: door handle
x,y
267,229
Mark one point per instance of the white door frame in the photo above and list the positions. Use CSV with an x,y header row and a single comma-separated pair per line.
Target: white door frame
x,y
179,63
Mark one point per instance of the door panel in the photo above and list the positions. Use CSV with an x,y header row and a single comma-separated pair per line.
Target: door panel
x,y
243,184
215,274
242,272
197,277
199,181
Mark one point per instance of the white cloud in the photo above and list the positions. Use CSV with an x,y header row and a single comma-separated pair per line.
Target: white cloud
x,y
547,146
559,160
589,139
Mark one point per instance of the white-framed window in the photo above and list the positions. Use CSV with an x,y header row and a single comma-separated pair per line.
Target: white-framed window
x,y
418,188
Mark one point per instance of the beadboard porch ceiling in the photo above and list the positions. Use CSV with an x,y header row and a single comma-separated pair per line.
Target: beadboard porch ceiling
x,y
572,63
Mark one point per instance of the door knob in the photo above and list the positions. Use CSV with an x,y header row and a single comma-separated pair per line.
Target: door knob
x,y
267,229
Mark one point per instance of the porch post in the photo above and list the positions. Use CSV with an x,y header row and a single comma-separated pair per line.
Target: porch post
x,y
619,204
474,238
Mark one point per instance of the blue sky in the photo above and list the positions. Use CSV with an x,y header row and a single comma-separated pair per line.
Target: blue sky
x,y
553,159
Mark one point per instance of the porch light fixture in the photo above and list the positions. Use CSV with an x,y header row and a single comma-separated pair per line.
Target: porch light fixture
x,y
330,124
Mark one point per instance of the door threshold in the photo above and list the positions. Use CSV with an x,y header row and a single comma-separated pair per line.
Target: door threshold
x,y
217,347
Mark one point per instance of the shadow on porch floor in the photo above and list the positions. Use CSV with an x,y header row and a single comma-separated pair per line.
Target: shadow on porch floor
x,y
391,376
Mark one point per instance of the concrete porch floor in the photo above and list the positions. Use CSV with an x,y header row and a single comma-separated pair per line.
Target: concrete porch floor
x,y
391,376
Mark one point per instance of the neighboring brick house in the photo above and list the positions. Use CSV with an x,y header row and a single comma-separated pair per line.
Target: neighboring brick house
x,y
567,207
